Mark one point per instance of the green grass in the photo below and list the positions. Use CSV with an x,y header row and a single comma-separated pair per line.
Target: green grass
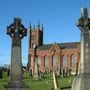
x,y
65,83
45,83
4,80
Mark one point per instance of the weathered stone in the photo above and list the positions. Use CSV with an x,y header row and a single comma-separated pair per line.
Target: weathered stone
x,y
8,72
16,31
56,87
30,72
82,81
1,73
36,74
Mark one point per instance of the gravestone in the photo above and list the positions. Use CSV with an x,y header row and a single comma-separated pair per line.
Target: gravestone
x,y
17,32
55,82
8,72
36,73
82,81
30,72
58,72
62,72
40,74
1,73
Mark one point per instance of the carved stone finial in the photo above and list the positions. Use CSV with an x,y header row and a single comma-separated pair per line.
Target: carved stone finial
x,y
34,27
42,27
30,26
84,12
38,24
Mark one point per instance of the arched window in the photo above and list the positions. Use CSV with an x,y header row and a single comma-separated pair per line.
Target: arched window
x,y
46,61
73,64
39,60
55,61
32,61
64,61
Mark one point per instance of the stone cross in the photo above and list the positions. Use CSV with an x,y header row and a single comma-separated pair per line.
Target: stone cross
x,y
17,32
36,74
82,81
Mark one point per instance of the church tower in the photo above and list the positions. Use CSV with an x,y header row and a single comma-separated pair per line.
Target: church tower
x,y
35,39
36,36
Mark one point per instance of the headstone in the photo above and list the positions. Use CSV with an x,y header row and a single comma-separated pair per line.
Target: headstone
x,y
51,74
36,74
55,82
62,72
82,81
40,74
57,72
65,72
30,72
1,73
68,73
17,32
8,72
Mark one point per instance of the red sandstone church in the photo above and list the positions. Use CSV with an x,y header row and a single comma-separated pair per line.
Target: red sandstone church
x,y
62,57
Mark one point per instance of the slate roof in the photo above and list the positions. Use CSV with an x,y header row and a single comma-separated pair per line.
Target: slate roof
x,y
61,45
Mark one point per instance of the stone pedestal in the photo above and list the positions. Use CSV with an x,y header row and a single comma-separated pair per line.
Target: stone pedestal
x,y
82,81
36,74
16,86
16,32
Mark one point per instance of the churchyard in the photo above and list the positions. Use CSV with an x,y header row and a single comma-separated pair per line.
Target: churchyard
x,y
46,83
14,79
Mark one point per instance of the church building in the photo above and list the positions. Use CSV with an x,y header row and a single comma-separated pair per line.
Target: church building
x,y
61,57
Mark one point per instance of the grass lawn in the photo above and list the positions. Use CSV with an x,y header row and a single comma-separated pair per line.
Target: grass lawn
x,y
45,83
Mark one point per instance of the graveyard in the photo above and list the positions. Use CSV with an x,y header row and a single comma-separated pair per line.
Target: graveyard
x,y
46,66
46,83
16,78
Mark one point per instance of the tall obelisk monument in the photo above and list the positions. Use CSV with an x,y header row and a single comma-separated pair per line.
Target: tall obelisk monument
x,y
82,81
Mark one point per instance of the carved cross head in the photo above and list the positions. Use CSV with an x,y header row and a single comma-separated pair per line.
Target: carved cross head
x,y
84,22
16,28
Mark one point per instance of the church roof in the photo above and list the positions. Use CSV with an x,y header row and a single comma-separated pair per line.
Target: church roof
x,y
61,45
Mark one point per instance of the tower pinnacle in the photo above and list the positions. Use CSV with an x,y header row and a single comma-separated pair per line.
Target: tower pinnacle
x,y
38,24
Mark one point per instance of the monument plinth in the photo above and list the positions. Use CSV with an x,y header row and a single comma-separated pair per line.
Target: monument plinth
x,y
82,81
35,74
17,32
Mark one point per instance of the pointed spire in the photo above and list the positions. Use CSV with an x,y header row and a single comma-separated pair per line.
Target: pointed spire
x,y
38,24
30,26
42,27
34,27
